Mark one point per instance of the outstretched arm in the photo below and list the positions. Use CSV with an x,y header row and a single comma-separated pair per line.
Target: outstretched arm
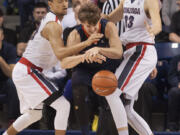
x,y
53,32
117,14
115,50
72,61
152,7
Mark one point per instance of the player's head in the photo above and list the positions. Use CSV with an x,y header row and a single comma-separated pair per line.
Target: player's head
x,y
59,7
40,10
89,15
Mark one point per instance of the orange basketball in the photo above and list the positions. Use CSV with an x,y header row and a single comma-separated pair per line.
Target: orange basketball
x,y
104,83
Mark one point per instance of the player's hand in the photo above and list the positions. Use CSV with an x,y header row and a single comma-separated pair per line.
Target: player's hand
x,y
93,55
153,73
94,38
149,29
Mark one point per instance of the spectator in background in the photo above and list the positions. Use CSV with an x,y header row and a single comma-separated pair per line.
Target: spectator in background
x,y
174,95
169,7
7,62
40,10
174,35
25,10
9,35
72,14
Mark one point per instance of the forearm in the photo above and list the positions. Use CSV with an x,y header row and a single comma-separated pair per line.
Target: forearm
x,y
112,53
117,14
174,37
7,70
156,28
64,52
72,61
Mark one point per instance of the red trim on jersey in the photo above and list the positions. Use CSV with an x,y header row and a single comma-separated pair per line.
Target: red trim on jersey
x,y
86,33
29,64
130,45
38,81
56,19
134,68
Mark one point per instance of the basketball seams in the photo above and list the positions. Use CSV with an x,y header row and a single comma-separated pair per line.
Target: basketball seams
x,y
104,83
104,86
105,78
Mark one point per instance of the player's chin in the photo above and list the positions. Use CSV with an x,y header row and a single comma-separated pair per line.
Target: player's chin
x,y
64,11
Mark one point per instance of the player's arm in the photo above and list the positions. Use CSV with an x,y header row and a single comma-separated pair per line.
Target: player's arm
x,y
117,14
72,61
152,7
115,50
53,32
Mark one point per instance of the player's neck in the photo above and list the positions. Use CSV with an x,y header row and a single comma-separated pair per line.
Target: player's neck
x,y
60,17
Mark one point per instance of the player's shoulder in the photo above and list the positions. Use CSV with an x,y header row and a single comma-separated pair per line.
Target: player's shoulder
x,y
74,32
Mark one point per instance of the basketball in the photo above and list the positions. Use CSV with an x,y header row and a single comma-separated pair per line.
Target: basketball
x,y
104,83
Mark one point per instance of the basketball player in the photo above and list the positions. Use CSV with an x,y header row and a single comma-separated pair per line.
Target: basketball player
x,y
84,66
141,23
43,52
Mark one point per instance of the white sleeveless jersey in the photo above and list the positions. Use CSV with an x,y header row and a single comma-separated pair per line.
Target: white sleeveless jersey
x,y
133,23
39,50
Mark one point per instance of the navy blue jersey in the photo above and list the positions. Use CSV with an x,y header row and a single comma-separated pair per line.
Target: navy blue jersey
x,y
84,72
110,64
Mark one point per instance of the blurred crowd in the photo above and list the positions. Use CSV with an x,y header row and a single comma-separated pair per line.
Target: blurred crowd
x,y
163,90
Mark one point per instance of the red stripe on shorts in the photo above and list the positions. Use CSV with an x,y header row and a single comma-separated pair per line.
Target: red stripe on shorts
x,y
134,68
38,81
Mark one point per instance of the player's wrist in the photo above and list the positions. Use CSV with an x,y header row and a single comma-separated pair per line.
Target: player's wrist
x,y
87,43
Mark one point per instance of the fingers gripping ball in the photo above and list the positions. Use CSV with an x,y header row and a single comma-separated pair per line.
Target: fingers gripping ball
x,y
104,83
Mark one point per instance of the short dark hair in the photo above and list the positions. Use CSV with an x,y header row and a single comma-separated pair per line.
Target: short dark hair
x,y
89,12
1,12
41,5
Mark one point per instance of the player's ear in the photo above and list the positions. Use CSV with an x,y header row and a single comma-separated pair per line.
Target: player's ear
x,y
50,3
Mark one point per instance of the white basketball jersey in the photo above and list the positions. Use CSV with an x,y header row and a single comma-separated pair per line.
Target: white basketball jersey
x,y
39,50
133,23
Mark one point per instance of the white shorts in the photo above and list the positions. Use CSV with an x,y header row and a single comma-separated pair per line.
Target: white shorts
x,y
138,63
32,87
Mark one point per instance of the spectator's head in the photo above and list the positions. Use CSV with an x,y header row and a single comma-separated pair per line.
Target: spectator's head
x,y
59,7
89,15
178,3
1,34
21,48
76,6
40,10
1,17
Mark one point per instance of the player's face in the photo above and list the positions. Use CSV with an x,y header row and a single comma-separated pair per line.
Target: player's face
x,y
39,13
91,29
59,7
